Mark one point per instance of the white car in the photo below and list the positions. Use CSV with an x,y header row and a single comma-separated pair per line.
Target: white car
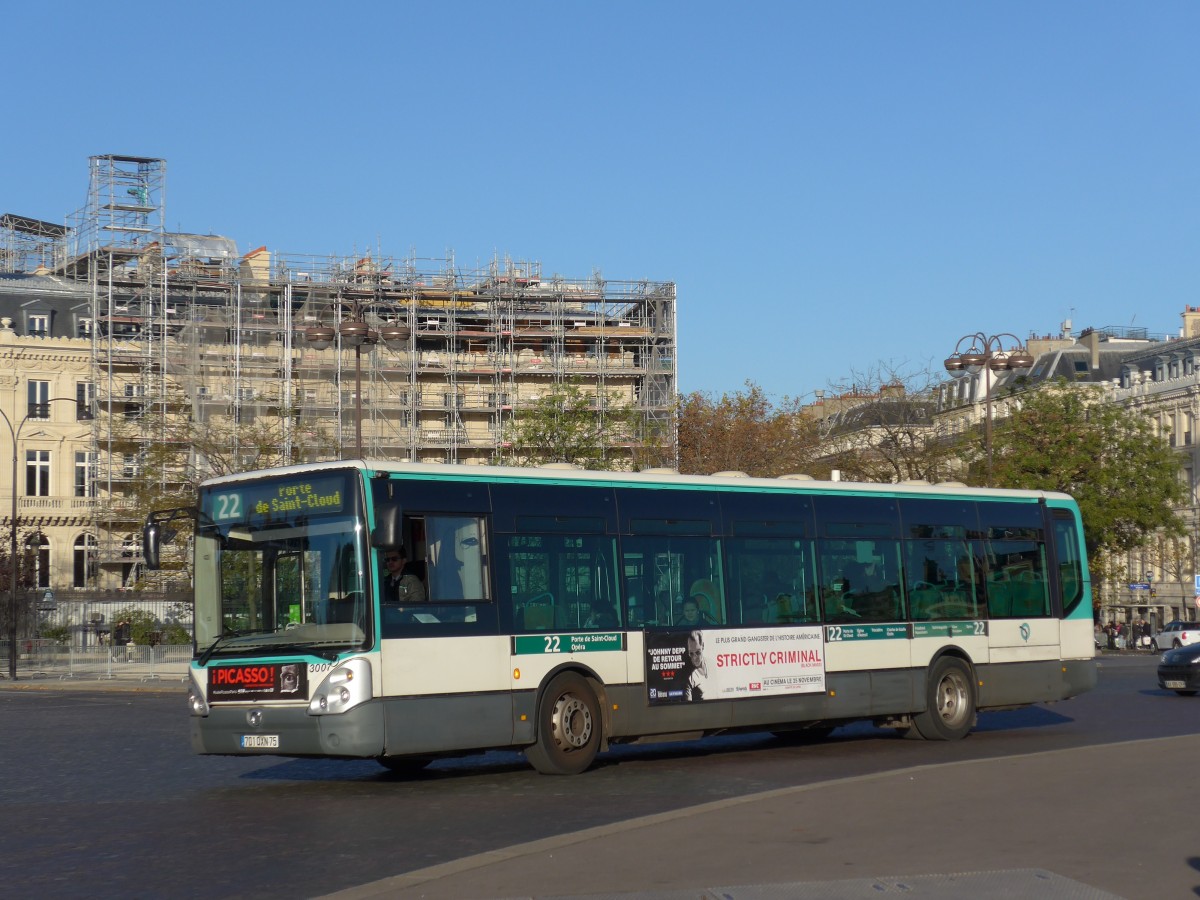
x,y
1176,634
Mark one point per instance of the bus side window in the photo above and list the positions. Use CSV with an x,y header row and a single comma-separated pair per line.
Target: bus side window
x,y
1017,585
860,580
770,578
1070,563
455,559
560,582
669,567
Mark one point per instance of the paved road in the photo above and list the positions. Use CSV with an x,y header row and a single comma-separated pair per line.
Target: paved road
x,y
110,801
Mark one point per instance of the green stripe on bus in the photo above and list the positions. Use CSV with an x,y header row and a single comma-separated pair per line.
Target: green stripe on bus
x,y
949,629
567,643
836,633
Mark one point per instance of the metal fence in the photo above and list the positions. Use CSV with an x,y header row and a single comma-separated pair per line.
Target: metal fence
x,y
49,659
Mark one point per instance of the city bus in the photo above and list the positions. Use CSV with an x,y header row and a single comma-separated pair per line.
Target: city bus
x,y
560,611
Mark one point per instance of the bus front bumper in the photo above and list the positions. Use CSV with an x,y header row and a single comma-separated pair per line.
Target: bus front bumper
x,y
260,729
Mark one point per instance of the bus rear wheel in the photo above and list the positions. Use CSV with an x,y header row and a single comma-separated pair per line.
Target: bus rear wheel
x,y
950,702
568,727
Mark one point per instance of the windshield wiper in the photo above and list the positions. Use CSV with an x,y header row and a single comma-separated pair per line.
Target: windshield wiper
x,y
308,647
233,633
330,655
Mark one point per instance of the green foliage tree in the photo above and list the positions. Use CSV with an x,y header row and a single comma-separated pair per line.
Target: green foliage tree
x,y
60,634
745,432
26,563
142,626
575,424
1124,477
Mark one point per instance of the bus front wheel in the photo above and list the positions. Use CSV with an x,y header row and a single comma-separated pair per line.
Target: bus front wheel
x,y
950,708
568,727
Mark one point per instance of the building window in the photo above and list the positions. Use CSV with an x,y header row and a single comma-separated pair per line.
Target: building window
x,y
85,473
39,400
83,328
85,561
85,400
39,325
37,473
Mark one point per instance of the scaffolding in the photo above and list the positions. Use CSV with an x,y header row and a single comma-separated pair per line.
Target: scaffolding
x,y
184,328
30,245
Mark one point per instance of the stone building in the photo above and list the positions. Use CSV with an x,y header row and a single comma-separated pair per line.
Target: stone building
x,y
157,335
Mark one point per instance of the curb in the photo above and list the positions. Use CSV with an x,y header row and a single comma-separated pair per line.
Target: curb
x,y
159,686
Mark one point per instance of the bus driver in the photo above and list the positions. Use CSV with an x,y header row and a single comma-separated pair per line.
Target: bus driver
x,y
400,586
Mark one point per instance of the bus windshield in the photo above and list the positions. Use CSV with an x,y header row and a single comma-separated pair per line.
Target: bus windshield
x,y
281,566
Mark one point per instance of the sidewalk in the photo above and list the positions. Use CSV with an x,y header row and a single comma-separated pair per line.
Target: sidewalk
x,y
174,683
1031,825
137,663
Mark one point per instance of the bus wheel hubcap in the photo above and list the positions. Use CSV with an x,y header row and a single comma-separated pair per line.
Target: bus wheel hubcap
x,y
572,722
952,699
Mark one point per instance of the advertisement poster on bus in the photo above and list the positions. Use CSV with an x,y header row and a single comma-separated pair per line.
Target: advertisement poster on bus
x,y
709,664
260,681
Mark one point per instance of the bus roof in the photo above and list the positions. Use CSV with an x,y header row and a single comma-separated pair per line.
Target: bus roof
x,y
650,478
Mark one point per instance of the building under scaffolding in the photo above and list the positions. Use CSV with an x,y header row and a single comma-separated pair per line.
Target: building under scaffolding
x,y
392,358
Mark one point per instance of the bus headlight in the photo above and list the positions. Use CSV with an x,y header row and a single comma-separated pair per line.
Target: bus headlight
x,y
347,686
197,705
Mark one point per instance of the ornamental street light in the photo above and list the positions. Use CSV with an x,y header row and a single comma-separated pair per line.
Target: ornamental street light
x,y
37,412
986,353
353,331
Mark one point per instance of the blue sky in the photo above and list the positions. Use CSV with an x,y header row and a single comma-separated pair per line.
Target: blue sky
x,y
836,188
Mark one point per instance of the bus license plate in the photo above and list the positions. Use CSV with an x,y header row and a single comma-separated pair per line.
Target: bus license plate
x,y
260,741
1176,685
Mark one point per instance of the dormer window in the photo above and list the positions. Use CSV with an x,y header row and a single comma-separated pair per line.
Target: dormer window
x,y
38,325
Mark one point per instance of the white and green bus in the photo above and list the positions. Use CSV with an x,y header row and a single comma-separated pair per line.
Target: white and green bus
x,y
561,611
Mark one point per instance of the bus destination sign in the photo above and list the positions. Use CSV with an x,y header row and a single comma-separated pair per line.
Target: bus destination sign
x,y
274,500
568,643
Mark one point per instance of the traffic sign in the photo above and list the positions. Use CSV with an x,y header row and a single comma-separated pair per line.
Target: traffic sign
x,y
1139,586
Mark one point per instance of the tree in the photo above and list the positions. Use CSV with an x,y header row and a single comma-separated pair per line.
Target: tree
x,y
171,470
143,628
745,432
1124,477
882,427
28,537
590,429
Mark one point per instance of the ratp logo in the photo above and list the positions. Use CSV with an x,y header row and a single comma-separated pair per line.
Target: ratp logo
x,y
1025,631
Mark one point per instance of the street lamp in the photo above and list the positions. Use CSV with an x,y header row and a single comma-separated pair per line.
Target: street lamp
x,y
986,353
15,434
353,331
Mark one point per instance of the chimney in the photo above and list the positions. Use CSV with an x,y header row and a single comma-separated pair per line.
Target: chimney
x,y
1191,321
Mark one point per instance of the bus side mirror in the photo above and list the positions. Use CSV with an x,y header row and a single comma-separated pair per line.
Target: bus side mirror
x,y
151,543
386,532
